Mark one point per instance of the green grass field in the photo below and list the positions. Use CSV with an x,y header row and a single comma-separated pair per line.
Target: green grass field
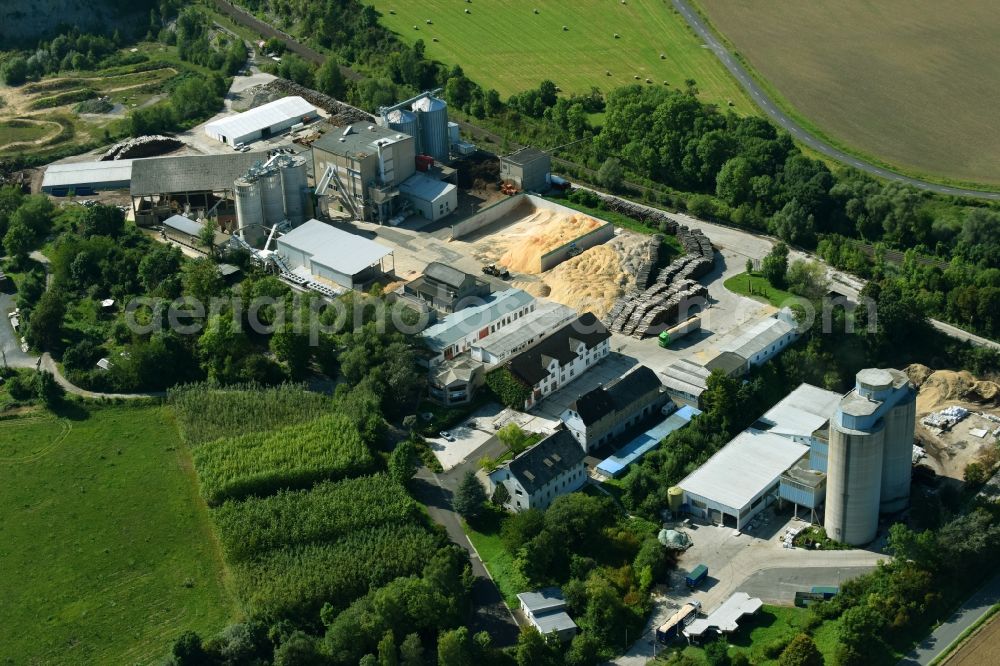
x,y
760,289
484,533
504,45
14,131
106,551
909,83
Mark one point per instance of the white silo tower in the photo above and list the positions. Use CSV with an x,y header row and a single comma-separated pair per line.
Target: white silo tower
x,y
294,188
249,210
405,121
854,483
272,196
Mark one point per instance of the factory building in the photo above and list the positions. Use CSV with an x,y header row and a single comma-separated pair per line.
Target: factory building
x,y
871,444
457,332
765,339
262,122
318,250
426,120
270,193
446,288
529,169
373,173
547,318
85,178
196,186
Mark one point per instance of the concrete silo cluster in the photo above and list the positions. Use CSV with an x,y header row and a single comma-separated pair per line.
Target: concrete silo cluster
x,y
270,193
870,454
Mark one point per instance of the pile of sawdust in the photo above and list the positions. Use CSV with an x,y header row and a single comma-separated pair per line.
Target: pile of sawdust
x,y
594,279
543,231
939,388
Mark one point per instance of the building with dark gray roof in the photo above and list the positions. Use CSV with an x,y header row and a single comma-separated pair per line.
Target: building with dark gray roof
x,y
561,357
599,416
189,185
546,611
528,168
532,480
446,288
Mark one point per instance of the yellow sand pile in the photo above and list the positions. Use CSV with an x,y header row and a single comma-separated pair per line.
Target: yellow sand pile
x,y
593,280
543,231
939,388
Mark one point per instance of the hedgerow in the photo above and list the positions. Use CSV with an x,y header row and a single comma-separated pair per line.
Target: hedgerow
x,y
206,412
297,456
325,513
295,582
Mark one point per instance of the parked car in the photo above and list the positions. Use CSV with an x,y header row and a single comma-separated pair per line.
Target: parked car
x,y
446,436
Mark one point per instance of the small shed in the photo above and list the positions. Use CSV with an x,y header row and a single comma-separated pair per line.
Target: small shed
x,y
529,169
545,609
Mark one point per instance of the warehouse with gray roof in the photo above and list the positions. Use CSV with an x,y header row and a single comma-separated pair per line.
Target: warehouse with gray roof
x,y
84,178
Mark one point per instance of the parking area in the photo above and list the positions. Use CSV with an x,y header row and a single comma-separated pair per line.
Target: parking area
x,y
475,437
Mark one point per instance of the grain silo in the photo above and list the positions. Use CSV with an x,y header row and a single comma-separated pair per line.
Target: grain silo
x,y
405,121
294,187
249,210
433,117
871,444
272,196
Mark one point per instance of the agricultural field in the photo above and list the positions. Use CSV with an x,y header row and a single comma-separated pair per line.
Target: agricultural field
x,y
107,551
507,46
908,83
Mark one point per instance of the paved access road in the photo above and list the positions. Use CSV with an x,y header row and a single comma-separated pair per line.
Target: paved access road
x,y
782,119
942,637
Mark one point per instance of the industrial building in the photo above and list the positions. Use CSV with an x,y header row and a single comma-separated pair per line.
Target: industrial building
x,y
741,479
196,186
551,468
561,357
262,122
458,331
544,319
430,198
685,381
765,339
318,250
599,416
613,466
529,169
726,618
447,289
183,230
804,417
870,456
426,120
546,612
85,178
269,194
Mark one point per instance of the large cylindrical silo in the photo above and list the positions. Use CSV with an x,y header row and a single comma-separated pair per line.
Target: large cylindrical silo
x,y
294,186
433,115
897,460
854,483
249,210
272,197
405,121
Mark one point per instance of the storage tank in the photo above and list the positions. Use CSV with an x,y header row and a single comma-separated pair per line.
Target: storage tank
x,y
854,482
249,210
294,186
897,461
453,133
272,197
675,497
433,119
404,121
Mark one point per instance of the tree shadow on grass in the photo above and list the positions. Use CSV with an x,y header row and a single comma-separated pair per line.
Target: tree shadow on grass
x,y
70,409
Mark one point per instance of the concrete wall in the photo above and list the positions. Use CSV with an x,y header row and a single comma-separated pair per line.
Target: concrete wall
x,y
585,242
486,216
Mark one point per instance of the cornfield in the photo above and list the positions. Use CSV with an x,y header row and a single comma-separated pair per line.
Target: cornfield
x,y
297,456
206,412
296,581
324,514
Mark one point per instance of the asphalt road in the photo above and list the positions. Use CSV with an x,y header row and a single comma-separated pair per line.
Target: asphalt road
x,y
779,117
946,634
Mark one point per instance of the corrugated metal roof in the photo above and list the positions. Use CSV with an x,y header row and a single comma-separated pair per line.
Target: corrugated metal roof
x,y
425,188
801,413
262,117
759,337
190,173
727,616
88,173
743,468
184,224
547,316
457,325
344,252
643,444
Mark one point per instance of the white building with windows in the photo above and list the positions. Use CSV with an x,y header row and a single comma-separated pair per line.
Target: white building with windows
x,y
551,468
547,318
457,332
561,357
765,339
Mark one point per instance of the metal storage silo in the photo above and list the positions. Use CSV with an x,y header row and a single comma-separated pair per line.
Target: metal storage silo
x,y
897,460
249,210
405,121
272,197
433,117
675,497
294,187
854,483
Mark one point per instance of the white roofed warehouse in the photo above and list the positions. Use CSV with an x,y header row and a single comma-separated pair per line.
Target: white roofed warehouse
x,y
263,121
318,250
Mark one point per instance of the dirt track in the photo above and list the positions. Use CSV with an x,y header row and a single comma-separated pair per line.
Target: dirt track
x,y
982,648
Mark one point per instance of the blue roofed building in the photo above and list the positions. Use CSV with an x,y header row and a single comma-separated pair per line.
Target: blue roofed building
x,y
617,464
